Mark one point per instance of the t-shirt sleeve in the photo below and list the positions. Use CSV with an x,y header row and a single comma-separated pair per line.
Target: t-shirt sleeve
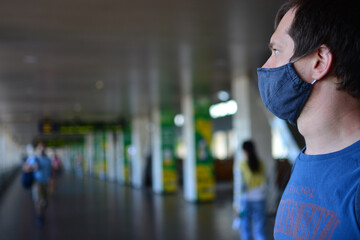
x,y
31,161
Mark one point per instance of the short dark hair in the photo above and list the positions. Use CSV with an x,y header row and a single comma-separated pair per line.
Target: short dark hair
x,y
38,143
335,24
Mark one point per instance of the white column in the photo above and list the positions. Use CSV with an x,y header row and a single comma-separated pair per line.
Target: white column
x,y
157,173
119,157
187,105
110,155
67,159
156,139
140,137
250,122
189,166
6,151
2,152
261,132
89,151
242,119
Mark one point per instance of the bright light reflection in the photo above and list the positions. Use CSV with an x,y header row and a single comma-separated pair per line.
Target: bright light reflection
x,y
223,109
179,120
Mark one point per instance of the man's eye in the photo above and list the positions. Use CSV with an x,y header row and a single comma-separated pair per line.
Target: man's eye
x,y
276,51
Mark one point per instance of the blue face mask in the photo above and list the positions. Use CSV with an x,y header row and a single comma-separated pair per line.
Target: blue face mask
x,y
283,92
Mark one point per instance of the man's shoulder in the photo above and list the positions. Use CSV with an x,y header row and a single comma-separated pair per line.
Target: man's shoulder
x,y
45,157
44,160
352,155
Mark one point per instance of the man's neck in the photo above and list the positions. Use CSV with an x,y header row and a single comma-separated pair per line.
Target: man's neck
x,y
330,122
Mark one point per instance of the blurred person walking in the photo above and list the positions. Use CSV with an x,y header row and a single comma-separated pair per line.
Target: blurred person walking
x,y
249,194
40,165
56,167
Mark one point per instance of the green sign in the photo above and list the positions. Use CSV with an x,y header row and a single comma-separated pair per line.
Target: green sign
x,y
76,129
49,127
100,154
127,155
61,142
77,150
205,175
168,151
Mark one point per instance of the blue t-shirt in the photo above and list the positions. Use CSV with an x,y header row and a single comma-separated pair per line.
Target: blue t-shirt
x,y
43,173
319,200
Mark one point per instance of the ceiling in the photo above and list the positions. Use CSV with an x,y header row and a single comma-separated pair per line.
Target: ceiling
x,y
104,60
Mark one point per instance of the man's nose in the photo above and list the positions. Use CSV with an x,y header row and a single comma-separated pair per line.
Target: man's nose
x,y
267,64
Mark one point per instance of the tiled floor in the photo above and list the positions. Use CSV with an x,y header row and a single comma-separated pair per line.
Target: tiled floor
x,y
92,209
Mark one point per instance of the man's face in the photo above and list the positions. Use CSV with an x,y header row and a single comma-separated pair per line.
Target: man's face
x,y
281,44
41,148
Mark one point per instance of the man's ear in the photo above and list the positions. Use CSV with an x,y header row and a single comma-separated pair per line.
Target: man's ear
x,y
322,62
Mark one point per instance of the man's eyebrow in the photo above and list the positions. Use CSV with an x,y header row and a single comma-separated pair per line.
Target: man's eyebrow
x,y
274,43
271,45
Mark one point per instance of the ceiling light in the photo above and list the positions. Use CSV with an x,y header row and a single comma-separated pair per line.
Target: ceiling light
x,y
223,96
77,107
99,85
30,59
223,109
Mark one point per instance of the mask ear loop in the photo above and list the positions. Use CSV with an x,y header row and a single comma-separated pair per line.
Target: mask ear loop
x,y
297,59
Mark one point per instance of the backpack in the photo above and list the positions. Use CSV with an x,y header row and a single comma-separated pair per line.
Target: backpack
x,y
27,178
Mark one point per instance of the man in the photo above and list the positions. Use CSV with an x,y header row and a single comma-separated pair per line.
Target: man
x,y
40,164
312,79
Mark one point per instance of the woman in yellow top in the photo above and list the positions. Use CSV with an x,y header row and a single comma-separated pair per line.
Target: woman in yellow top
x,y
249,195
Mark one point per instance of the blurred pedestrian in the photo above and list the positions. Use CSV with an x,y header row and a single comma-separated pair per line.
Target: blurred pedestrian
x,y
57,168
40,165
249,194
